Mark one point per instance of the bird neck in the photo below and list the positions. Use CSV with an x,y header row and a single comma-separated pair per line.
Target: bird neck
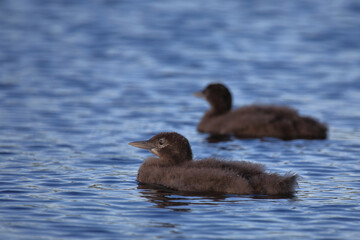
x,y
219,107
176,157
216,111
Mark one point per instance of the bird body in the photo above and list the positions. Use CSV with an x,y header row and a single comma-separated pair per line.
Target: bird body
x,y
213,175
207,175
255,121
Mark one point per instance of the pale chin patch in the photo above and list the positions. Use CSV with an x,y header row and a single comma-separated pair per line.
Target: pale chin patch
x,y
154,151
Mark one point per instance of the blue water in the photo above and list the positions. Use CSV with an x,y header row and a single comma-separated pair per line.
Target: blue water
x,y
81,79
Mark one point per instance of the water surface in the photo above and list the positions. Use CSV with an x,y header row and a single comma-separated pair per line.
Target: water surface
x,y
81,79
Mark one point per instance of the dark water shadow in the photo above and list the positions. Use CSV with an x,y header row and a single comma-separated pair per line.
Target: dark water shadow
x,y
164,197
218,138
176,200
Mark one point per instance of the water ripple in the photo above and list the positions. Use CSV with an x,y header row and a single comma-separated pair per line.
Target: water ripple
x,y
81,79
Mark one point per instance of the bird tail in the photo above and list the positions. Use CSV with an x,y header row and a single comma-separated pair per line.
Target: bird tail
x,y
274,184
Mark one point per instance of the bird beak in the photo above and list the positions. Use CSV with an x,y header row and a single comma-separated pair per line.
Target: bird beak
x,y
142,144
199,94
145,145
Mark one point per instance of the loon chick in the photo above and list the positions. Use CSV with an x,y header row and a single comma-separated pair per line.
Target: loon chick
x,y
174,168
255,121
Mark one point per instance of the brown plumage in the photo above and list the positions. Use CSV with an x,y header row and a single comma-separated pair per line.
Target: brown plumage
x,y
255,121
175,169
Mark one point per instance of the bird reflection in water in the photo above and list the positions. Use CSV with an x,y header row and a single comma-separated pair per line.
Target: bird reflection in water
x,y
178,201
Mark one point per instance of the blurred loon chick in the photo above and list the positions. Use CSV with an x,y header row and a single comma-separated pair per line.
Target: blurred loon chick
x,y
175,169
255,121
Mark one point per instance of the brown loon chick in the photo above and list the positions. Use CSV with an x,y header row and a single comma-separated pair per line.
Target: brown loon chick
x,y
255,121
175,169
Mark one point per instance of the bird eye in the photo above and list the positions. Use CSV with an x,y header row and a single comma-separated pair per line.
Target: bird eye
x,y
161,141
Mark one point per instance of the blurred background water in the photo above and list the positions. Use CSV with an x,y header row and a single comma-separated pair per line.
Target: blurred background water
x,y
81,79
